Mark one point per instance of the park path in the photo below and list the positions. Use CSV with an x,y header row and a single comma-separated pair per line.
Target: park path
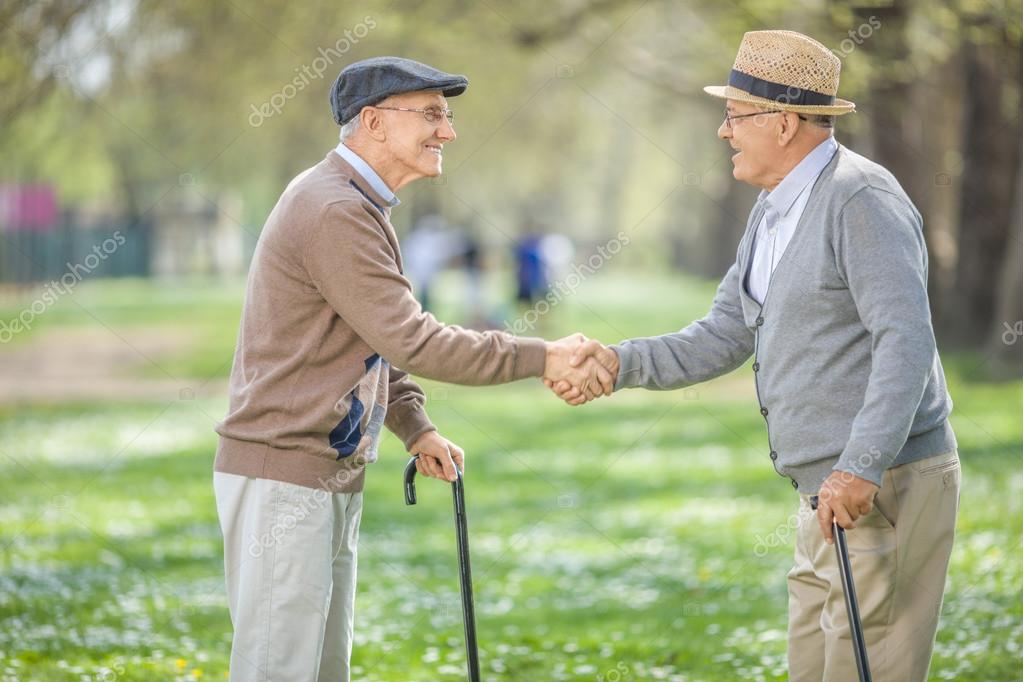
x,y
81,363
78,363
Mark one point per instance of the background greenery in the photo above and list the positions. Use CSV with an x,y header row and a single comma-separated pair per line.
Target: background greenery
x,y
620,541
584,117
630,539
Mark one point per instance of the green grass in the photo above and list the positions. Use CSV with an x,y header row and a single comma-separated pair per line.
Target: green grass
x,y
610,542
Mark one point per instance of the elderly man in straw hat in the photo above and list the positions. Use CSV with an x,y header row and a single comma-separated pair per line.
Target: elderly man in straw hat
x,y
828,295
329,319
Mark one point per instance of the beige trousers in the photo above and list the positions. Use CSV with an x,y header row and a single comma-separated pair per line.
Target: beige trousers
x,y
289,558
899,554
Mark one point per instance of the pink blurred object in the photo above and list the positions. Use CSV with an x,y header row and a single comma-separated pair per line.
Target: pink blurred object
x,y
28,207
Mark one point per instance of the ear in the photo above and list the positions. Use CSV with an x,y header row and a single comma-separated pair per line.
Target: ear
x,y
788,127
372,123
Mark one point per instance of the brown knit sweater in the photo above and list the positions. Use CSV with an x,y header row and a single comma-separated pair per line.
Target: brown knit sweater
x,y
328,319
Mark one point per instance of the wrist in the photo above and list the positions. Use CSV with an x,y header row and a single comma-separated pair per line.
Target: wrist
x,y
616,364
419,440
551,356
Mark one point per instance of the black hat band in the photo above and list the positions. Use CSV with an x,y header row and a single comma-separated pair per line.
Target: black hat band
x,y
783,94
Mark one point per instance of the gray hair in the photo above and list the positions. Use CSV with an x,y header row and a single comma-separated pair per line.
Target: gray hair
x,y
348,129
821,120
818,120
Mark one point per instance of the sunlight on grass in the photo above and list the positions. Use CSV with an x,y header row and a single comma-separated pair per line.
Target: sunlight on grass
x,y
612,542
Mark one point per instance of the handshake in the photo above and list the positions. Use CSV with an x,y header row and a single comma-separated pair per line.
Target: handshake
x,y
579,370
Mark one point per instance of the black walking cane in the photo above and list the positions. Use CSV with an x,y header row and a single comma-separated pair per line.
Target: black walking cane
x,y
464,571
852,607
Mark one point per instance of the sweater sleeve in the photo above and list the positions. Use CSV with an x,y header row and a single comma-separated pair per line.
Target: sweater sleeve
x,y
355,269
707,348
406,413
881,254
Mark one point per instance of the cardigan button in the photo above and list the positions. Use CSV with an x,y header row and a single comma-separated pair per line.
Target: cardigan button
x,y
794,484
756,366
763,411
760,321
774,455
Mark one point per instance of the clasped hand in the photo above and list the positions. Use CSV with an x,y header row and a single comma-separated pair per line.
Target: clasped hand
x,y
579,369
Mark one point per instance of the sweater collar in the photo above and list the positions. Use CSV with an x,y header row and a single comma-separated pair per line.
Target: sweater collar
x,y
382,193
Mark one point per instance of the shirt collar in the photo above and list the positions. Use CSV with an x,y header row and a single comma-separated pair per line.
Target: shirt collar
x,y
782,197
368,174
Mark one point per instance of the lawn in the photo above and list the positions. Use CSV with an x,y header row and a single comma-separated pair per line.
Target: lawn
x,y
620,541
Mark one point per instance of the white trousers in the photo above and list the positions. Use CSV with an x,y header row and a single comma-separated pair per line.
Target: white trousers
x,y
290,561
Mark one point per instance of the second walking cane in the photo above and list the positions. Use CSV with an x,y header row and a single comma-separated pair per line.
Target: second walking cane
x,y
464,570
852,607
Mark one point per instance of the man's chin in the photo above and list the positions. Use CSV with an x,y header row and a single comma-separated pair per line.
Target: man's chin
x,y
739,175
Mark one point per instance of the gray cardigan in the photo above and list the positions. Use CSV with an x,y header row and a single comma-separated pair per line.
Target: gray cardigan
x,y
847,372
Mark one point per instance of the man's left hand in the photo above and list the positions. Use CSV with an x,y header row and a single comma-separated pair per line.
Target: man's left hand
x,y
437,456
844,497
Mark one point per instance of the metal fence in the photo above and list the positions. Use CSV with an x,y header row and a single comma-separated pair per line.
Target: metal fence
x,y
114,250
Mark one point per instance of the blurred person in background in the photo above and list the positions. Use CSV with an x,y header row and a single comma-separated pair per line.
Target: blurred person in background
x,y
531,281
428,249
476,300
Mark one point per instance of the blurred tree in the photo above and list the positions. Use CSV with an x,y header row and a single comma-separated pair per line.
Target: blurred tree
x,y
588,114
32,48
1005,344
993,62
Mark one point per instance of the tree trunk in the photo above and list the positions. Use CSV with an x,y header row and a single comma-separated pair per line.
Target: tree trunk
x,y
991,164
909,145
1006,340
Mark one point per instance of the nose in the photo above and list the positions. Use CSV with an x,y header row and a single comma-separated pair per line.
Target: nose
x,y
446,130
724,132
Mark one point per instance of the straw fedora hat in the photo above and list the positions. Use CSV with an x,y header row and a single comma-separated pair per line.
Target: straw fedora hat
x,y
785,70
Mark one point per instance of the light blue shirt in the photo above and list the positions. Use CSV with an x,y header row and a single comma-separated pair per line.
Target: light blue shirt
x,y
368,174
783,208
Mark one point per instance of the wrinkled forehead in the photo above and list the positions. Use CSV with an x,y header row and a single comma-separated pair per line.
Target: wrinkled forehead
x,y
420,99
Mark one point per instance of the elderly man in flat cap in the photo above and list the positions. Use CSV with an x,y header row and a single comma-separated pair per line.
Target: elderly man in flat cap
x,y
329,329
828,294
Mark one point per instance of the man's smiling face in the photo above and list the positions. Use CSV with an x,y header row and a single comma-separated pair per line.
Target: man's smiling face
x,y
754,140
415,144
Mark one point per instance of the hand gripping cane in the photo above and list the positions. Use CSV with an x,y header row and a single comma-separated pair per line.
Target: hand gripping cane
x,y
852,607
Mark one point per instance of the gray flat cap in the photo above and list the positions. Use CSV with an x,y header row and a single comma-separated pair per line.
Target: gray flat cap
x,y
365,83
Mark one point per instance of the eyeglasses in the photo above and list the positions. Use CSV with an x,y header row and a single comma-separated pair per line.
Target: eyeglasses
x,y
729,119
431,115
